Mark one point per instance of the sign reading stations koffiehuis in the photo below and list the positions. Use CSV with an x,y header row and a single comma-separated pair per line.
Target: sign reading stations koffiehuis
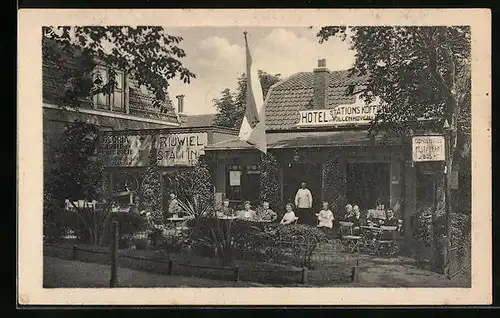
x,y
349,114
134,150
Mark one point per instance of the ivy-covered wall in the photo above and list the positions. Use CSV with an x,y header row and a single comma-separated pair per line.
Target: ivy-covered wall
x,y
270,181
334,183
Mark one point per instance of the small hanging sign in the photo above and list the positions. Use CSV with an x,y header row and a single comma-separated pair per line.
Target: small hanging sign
x,y
428,148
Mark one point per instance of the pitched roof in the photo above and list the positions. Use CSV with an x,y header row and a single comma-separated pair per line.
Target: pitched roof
x,y
140,104
204,120
295,93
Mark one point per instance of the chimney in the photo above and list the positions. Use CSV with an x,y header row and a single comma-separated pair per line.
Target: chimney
x,y
180,104
321,80
180,109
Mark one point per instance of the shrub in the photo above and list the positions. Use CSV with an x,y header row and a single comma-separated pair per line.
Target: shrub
x,y
267,242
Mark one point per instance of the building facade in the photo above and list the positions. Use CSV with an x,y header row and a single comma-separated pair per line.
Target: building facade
x,y
130,122
317,132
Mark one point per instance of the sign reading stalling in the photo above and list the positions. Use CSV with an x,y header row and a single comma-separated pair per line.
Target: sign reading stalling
x,y
134,151
357,113
428,148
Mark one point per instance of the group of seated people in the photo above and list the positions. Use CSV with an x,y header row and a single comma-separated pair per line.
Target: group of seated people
x,y
325,217
262,214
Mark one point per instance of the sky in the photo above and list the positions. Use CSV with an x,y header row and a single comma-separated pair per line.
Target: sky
x,y
217,56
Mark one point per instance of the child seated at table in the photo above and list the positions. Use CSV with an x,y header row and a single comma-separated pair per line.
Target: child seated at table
x,y
265,214
247,213
289,216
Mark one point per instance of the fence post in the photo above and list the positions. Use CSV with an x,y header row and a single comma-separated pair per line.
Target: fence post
x,y
170,265
114,253
73,253
304,275
236,273
355,272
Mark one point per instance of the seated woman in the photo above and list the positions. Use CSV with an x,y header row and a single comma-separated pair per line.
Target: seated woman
x,y
289,216
348,212
356,217
325,220
265,214
390,220
225,210
325,217
247,214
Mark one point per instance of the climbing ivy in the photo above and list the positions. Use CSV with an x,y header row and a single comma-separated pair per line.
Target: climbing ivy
x,y
270,181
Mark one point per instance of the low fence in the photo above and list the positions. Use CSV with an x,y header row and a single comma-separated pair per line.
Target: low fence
x,y
460,261
171,266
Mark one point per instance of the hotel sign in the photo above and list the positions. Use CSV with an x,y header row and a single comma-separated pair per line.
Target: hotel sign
x,y
134,150
358,113
428,148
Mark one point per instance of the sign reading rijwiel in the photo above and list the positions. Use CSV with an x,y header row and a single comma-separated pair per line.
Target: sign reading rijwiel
x,y
347,114
428,148
134,150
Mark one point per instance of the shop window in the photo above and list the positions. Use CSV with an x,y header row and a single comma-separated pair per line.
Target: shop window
x,y
243,183
114,101
368,183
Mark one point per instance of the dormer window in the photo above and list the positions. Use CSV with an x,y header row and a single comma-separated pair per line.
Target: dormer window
x,y
113,100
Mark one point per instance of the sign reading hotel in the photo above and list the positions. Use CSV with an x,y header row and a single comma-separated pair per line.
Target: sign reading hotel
x,y
428,148
348,114
134,151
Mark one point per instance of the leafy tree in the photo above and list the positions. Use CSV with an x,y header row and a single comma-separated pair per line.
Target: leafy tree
x,y
418,72
228,112
79,175
146,53
231,106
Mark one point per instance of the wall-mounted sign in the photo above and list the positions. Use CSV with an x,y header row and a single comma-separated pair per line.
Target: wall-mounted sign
x,y
180,149
358,113
234,178
125,150
428,148
134,151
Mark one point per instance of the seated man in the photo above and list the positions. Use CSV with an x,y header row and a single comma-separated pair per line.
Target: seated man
x,y
225,209
356,217
265,214
390,220
247,213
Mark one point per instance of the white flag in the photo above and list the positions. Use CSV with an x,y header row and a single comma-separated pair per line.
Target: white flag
x,y
253,127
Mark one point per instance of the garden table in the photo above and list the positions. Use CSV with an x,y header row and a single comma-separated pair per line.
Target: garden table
x,y
177,223
228,217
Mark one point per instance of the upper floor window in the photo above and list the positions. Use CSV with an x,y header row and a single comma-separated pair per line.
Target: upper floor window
x,y
114,100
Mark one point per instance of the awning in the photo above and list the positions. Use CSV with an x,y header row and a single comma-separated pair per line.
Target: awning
x,y
311,139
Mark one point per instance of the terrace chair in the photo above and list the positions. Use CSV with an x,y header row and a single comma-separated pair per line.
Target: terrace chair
x,y
349,241
386,241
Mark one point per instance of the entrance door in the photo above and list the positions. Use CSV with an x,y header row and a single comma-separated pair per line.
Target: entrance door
x,y
294,174
367,183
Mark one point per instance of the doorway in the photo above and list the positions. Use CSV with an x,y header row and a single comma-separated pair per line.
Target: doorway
x,y
368,182
294,174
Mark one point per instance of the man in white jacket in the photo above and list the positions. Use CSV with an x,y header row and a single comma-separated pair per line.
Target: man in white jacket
x,y
303,202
